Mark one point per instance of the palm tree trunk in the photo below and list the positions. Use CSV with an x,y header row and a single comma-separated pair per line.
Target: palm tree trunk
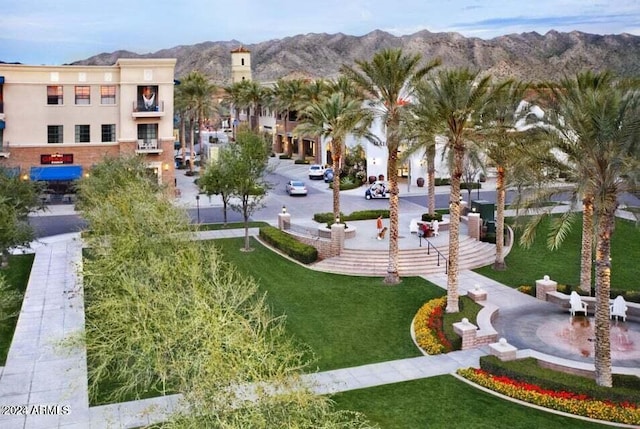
x,y
499,263
431,179
183,139
393,276
587,244
454,230
336,154
602,355
191,147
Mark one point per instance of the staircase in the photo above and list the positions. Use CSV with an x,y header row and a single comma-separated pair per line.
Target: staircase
x,y
411,262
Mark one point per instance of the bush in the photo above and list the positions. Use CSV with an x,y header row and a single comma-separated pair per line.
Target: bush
x,y
529,370
285,156
470,185
439,181
289,245
357,215
426,217
301,161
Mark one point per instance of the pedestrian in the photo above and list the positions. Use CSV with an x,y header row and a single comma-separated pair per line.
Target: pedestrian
x,y
379,225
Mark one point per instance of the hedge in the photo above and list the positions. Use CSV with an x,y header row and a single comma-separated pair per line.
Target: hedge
x,y
357,215
627,387
289,245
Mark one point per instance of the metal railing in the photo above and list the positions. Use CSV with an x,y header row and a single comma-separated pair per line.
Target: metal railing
x,y
440,255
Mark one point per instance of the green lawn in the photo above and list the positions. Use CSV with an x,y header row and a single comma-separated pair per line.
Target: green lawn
x,y
346,320
17,276
525,266
446,402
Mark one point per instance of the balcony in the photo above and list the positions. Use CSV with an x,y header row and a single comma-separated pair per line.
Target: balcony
x,y
149,146
139,110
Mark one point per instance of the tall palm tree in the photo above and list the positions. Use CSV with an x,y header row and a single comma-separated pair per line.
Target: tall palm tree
x,y
459,98
503,145
235,99
287,97
194,97
333,118
388,80
252,95
600,123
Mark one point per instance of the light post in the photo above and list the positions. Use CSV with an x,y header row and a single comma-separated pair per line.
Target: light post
x,y
478,188
198,207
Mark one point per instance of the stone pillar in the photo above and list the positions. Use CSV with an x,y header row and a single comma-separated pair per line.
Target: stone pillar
x,y
477,294
284,219
337,238
467,332
503,350
474,225
545,285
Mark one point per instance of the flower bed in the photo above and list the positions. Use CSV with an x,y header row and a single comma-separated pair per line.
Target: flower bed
x,y
577,404
427,326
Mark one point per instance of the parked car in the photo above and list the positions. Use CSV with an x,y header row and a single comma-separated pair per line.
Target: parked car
x,y
316,171
378,189
296,187
187,157
328,175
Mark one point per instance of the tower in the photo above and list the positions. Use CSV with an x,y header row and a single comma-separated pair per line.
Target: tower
x,y
240,64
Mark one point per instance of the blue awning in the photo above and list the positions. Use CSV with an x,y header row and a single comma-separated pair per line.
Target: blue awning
x,y
58,172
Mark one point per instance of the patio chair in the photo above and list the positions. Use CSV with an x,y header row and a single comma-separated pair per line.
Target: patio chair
x,y
619,308
577,304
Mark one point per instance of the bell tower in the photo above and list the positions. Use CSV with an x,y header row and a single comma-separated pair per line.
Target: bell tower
x,y
240,64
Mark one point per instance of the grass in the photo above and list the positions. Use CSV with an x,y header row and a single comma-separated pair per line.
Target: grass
x,y
446,402
346,320
17,277
525,266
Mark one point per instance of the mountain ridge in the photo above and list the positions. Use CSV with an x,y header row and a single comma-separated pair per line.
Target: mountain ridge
x,y
527,56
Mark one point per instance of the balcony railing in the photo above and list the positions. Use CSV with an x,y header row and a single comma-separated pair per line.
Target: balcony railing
x,y
141,111
148,146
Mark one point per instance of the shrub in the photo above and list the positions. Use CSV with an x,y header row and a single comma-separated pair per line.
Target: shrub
x,y
289,245
470,185
284,156
426,217
301,161
439,181
562,400
357,215
527,289
346,183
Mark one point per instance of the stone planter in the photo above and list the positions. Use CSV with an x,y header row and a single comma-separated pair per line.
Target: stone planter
x,y
324,232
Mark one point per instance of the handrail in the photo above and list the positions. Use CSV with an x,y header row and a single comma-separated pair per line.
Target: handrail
x,y
429,246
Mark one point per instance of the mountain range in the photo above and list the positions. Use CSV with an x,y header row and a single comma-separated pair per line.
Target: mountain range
x,y
528,56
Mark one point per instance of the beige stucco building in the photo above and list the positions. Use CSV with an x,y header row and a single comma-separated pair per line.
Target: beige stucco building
x,y
58,121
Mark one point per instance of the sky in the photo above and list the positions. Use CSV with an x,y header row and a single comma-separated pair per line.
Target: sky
x,y
62,31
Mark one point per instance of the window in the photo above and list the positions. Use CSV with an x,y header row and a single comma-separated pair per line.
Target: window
x,y
107,94
242,61
147,132
54,94
54,134
83,95
108,133
83,134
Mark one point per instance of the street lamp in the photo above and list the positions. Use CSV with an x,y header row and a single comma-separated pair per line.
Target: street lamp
x,y
198,206
478,188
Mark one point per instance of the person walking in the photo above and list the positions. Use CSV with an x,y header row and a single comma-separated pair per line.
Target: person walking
x,y
379,227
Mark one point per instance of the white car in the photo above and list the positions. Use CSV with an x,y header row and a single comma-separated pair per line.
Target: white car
x,y
296,187
187,154
316,171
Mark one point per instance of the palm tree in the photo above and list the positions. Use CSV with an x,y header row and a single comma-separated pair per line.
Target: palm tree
x,y
334,117
252,95
194,97
459,98
505,138
235,99
599,120
287,97
388,80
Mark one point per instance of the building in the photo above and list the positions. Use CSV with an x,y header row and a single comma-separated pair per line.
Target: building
x,y
56,122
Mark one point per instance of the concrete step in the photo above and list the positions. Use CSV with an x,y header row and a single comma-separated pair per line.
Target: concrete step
x,y
411,262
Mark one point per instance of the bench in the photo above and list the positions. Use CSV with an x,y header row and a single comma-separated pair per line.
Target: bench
x,y
562,299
